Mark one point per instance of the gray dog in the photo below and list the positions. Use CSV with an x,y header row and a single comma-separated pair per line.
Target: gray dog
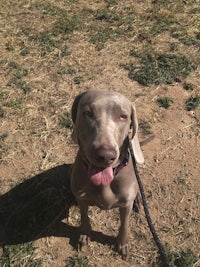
x,y
103,174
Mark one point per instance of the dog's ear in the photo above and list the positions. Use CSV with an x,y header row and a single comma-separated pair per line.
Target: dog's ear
x,y
75,106
134,139
74,114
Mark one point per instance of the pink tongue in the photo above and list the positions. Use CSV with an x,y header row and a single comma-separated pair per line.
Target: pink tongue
x,y
101,176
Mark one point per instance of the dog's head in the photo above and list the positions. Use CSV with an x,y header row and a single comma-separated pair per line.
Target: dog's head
x,y
102,121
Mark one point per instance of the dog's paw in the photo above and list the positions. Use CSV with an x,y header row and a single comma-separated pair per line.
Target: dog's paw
x,y
124,250
123,243
83,240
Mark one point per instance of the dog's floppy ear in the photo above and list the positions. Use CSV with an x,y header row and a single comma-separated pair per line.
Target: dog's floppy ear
x,y
75,106
74,114
134,140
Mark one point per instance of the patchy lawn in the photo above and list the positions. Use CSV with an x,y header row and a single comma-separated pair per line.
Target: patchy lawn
x,y
53,50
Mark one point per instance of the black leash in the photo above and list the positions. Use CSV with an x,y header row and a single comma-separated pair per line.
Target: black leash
x,y
161,249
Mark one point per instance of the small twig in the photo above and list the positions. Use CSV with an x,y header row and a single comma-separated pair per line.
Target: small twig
x,y
166,150
188,125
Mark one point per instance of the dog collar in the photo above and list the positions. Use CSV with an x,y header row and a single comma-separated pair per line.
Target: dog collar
x,y
123,164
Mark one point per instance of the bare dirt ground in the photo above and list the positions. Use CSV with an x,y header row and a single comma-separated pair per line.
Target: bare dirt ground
x,y
40,74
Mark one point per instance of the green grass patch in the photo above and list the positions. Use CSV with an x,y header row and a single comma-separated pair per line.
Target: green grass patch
x,y
78,80
9,46
47,9
48,44
188,86
177,259
45,41
77,261
66,120
195,10
99,25
164,68
64,22
15,104
4,135
17,72
161,2
67,25
182,35
1,112
1,102
145,127
20,255
64,51
162,23
108,15
71,71
165,102
193,103
100,37
24,52
109,24
20,84
63,71
1,95
173,47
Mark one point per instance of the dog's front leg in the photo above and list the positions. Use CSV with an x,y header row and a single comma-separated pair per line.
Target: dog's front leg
x,y
85,227
122,238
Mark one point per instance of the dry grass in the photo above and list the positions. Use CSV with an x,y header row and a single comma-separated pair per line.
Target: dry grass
x,y
51,51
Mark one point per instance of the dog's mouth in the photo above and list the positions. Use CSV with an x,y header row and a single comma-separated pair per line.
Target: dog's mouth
x,y
103,173
100,176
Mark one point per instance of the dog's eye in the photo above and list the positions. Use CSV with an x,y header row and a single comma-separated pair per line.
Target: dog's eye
x,y
123,117
88,114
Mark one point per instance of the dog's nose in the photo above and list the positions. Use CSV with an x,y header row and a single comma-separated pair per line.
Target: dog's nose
x,y
105,154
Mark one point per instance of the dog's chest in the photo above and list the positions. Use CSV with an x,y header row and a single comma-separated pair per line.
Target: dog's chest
x,y
104,197
118,193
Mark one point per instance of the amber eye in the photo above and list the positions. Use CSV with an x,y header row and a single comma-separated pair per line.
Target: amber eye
x,y
123,117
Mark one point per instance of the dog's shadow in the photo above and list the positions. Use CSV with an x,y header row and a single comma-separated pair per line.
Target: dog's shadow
x,y
36,207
